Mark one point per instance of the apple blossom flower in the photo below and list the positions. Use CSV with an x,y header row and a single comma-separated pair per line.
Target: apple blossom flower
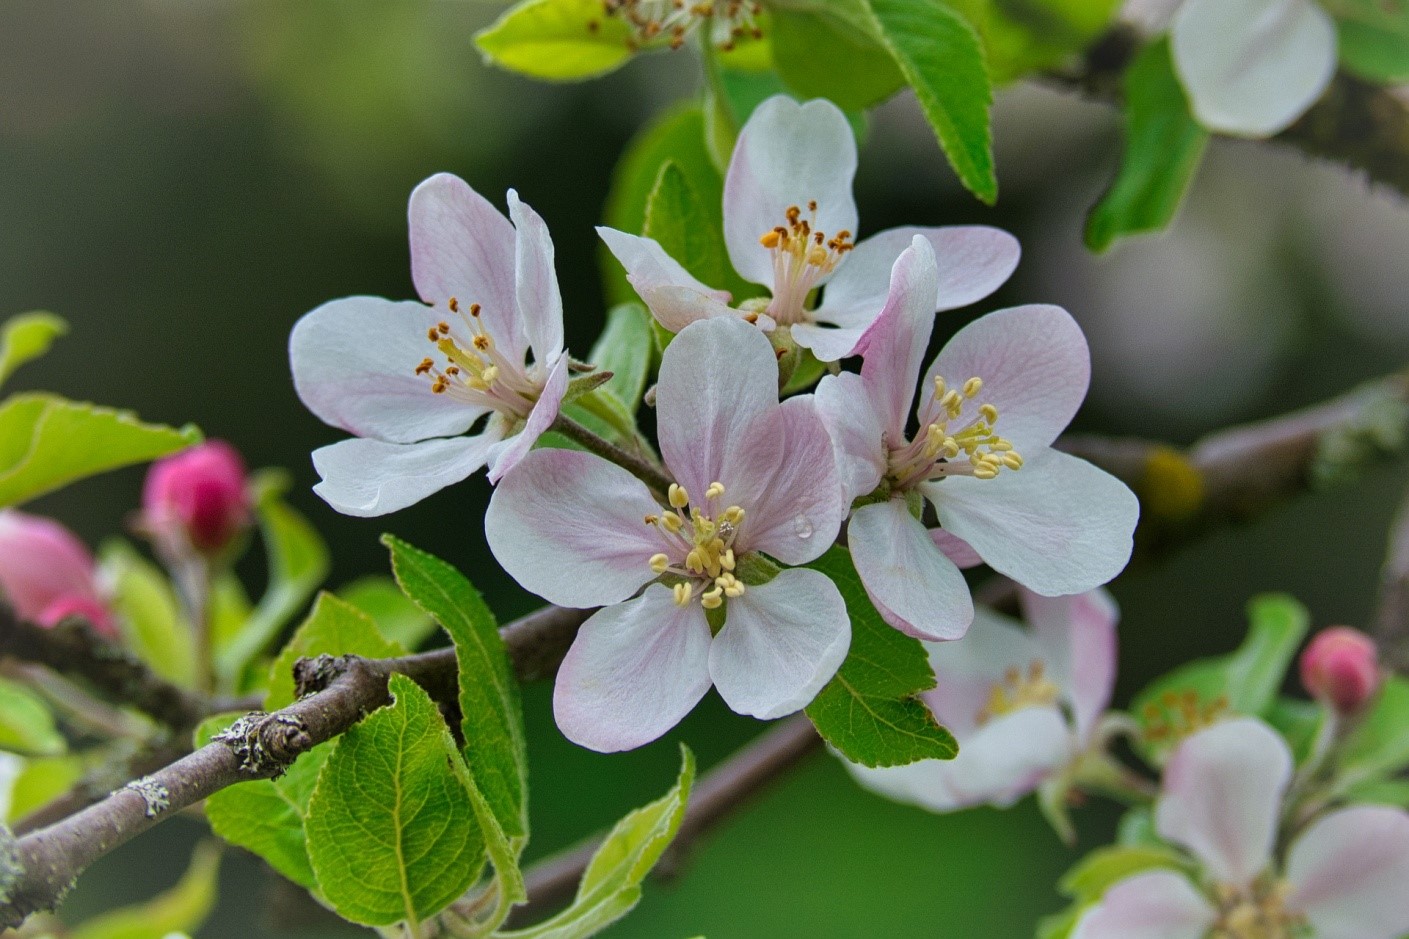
x,y
46,572
1341,667
753,477
1050,521
724,22
1023,703
408,379
1343,876
197,499
789,222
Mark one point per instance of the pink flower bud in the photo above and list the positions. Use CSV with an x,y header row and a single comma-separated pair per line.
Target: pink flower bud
x,y
197,497
43,563
1341,668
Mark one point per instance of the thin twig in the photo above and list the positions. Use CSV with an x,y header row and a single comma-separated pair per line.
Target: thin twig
x,y
1391,619
633,464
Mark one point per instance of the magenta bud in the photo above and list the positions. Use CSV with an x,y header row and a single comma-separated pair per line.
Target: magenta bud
x,y
198,497
1341,667
42,563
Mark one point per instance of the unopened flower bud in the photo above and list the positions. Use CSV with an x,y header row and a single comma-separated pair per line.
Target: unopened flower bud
x,y
46,572
197,497
1341,668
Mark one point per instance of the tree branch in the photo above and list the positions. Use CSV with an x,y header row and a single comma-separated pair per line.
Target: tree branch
x,y
1391,619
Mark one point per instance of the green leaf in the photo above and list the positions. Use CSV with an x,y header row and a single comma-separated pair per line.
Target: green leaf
x,y
807,45
941,57
870,710
25,338
182,909
557,40
298,561
41,781
391,833
47,442
1137,828
1393,792
611,885
229,608
1024,36
1379,745
1300,722
398,618
26,724
1163,149
627,350
491,713
1373,52
1104,867
335,627
677,218
1242,682
149,615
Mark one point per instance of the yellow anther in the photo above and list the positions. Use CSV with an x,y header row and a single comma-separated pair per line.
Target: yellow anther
x,y
972,386
715,490
939,387
951,401
693,561
483,343
989,412
712,599
733,515
726,560
1013,460
984,471
489,374
770,239
671,522
659,562
682,594
679,498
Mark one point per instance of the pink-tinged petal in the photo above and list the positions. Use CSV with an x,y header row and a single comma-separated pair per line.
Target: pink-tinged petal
x,y
1348,873
1252,67
1157,905
1221,796
799,509
967,671
781,642
787,154
955,549
1057,526
829,343
856,431
506,455
913,585
925,784
372,477
894,347
94,612
569,527
1035,367
536,296
972,261
672,293
354,365
463,247
717,378
41,561
634,670
1078,639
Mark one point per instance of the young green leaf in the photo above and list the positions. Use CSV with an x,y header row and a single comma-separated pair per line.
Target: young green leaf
x,y
26,337
1094,874
808,44
1374,52
47,442
149,615
1379,745
870,711
679,220
626,349
557,40
391,833
942,58
182,909
492,715
26,724
611,885
397,616
335,627
1024,36
1163,149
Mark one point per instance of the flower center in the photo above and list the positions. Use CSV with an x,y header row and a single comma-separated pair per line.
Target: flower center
x,y
1178,714
1019,690
474,371
1258,913
703,544
802,256
729,20
959,441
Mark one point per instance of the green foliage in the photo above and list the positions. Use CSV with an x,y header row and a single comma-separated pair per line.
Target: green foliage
x,y
492,714
298,562
1393,792
941,57
1243,682
335,627
42,780
182,909
1300,722
1094,874
1378,747
685,226
1374,52
47,442
398,618
627,350
26,724
611,885
1163,149
391,834
870,710
557,40
26,337
1023,36
149,615
808,46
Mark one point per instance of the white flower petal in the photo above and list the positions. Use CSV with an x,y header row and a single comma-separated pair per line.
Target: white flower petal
x,y
634,670
967,671
1348,873
1078,640
536,296
1221,797
1252,67
856,431
829,343
913,585
371,477
354,363
506,455
1156,905
781,642
672,293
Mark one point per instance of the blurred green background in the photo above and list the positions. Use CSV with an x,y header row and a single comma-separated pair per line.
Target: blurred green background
x,y
182,180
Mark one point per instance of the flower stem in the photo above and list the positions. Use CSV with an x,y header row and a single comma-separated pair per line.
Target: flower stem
x,y
634,465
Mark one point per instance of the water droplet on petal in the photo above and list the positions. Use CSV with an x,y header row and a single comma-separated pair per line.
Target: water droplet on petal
x,y
802,527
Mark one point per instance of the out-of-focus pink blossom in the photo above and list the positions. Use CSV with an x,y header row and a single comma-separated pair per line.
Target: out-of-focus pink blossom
x,y
46,572
198,497
1341,667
